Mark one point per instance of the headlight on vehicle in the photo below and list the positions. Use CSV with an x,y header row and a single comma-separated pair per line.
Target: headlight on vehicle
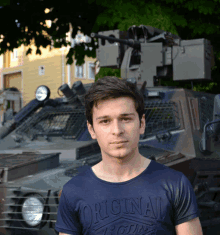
x,y
42,93
32,211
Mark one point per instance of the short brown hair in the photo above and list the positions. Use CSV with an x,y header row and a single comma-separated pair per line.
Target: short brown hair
x,y
109,88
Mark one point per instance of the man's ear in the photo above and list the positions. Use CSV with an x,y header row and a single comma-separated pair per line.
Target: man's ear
x,y
142,128
91,130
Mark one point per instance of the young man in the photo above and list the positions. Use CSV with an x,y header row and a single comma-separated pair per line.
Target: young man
x,y
125,193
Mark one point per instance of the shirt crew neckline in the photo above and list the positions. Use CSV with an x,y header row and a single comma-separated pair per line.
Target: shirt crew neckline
x,y
119,183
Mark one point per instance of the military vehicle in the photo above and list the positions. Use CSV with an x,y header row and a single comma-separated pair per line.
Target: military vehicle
x,y
182,130
10,103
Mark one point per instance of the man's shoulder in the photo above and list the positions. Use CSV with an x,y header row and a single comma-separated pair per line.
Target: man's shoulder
x,y
170,179
164,172
77,180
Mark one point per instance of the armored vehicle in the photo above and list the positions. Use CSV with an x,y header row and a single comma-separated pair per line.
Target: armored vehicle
x,y
182,130
10,103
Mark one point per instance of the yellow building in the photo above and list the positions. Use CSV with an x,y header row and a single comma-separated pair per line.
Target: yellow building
x,y
28,72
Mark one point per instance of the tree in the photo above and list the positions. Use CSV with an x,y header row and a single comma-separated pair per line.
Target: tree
x,y
188,19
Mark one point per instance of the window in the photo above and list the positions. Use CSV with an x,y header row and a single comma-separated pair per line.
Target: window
x,y
91,70
80,71
14,55
41,70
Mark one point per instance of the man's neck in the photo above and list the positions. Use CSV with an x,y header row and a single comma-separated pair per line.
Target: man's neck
x,y
120,171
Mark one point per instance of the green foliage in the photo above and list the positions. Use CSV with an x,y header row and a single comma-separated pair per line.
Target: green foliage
x,y
107,72
38,51
4,2
29,51
187,18
207,88
126,14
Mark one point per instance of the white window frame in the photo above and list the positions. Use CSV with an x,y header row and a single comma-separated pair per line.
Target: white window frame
x,y
84,71
14,55
89,77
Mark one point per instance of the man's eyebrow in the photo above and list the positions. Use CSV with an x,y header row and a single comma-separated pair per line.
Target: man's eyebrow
x,y
121,115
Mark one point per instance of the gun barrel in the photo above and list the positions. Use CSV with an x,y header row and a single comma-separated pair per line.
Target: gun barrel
x,y
129,42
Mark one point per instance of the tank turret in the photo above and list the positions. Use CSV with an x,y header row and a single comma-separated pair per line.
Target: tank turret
x,y
150,54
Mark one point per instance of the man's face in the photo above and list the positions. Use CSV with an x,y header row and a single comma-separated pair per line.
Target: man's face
x,y
116,127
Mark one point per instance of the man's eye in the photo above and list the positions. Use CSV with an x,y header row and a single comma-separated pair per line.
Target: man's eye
x,y
126,118
104,121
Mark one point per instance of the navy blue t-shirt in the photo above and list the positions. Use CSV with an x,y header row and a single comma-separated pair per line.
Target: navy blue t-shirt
x,y
152,203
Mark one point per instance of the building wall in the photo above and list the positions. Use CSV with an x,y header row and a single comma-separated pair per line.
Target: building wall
x,y
51,61
13,80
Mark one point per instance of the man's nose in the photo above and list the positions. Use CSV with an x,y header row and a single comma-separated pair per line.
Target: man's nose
x,y
117,127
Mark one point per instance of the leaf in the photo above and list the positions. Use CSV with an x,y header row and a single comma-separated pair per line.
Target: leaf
x,y
189,5
29,51
4,2
38,51
70,60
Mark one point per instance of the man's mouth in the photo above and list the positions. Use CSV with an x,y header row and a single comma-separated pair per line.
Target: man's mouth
x,y
120,142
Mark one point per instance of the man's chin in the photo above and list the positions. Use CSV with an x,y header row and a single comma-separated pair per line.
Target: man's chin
x,y
120,157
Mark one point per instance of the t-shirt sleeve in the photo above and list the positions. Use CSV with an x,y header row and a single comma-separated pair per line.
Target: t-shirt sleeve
x,y
67,219
185,204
